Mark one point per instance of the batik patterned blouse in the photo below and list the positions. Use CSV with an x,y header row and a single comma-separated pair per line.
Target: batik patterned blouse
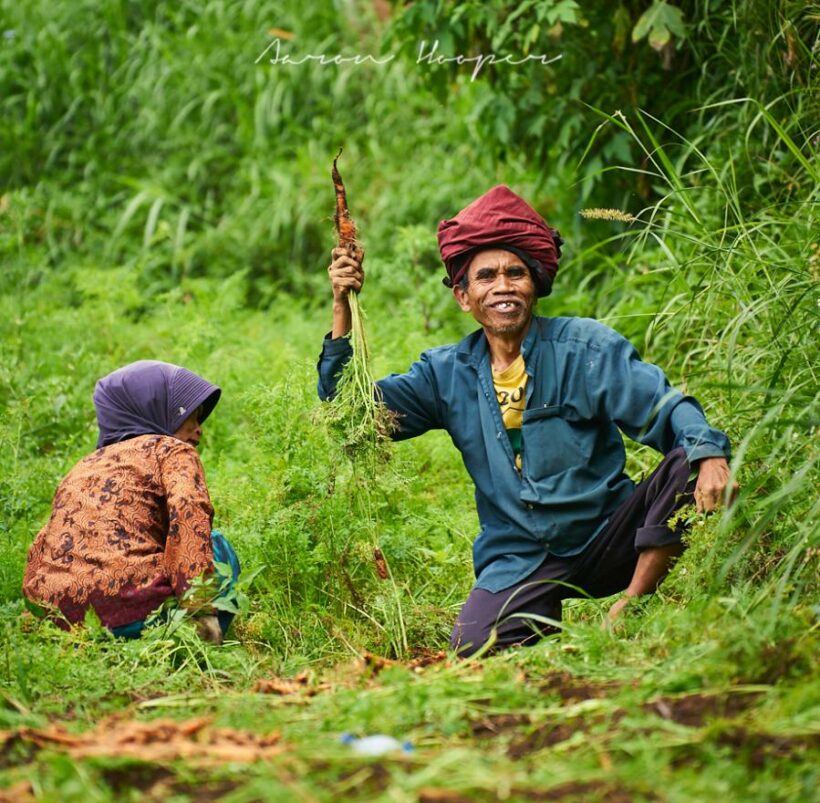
x,y
130,526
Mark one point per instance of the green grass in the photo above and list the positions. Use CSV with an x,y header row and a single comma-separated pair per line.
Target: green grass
x,y
162,197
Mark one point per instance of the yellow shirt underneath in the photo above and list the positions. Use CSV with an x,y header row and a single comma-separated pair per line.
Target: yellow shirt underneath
x,y
511,392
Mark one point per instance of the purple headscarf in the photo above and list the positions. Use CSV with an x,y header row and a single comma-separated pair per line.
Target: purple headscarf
x,y
149,398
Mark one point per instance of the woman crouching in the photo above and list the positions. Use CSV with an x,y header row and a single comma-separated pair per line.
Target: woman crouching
x,y
131,523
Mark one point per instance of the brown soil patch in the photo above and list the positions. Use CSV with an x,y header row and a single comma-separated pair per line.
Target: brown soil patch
x,y
693,710
779,661
545,736
156,783
283,686
427,658
572,689
158,740
497,723
756,749
577,791
762,747
367,667
572,791
370,664
14,751
20,792
201,792
443,796
372,779
143,777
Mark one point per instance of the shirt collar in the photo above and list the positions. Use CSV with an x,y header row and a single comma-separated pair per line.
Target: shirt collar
x,y
474,348
531,339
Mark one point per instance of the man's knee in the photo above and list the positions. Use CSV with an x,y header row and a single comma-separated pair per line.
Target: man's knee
x,y
468,638
518,630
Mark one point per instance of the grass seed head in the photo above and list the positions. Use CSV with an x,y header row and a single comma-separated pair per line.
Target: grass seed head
x,y
608,214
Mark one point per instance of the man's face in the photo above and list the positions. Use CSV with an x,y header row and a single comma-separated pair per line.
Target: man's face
x,y
500,292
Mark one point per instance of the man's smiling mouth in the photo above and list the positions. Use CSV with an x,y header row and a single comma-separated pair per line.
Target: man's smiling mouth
x,y
507,305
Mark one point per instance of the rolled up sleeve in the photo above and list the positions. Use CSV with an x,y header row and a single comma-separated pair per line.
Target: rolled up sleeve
x,y
694,434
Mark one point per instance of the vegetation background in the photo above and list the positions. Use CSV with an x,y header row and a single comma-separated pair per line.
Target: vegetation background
x,y
166,194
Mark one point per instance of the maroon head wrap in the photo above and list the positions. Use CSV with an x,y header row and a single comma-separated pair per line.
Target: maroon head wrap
x,y
500,219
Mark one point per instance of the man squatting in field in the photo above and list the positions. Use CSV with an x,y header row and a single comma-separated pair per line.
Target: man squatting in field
x,y
536,406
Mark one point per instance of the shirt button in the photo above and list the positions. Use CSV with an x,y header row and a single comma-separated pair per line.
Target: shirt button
x,y
530,507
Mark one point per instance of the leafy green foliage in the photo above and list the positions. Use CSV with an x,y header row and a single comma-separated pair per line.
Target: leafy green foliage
x,y
166,197
660,22
563,58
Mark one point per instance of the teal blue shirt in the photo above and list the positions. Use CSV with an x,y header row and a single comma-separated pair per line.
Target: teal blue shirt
x,y
586,386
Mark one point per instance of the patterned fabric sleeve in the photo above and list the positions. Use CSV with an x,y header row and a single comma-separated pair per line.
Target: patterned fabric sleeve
x,y
188,549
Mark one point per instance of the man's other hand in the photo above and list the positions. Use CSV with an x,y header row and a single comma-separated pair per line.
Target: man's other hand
x,y
710,489
346,272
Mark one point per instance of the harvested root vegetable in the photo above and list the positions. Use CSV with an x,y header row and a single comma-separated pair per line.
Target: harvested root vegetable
x,y
381,564
346,232
357,412
358,407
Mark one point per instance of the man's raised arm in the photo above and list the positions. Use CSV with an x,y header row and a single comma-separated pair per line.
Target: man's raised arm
x,y
346,275
411,395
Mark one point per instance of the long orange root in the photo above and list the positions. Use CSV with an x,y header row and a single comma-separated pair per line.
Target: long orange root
x,y
346,233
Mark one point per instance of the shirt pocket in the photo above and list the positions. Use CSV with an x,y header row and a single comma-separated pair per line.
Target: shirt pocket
x,y
553,441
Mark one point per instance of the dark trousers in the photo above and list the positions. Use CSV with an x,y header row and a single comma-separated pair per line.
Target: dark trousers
x,y
605,567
